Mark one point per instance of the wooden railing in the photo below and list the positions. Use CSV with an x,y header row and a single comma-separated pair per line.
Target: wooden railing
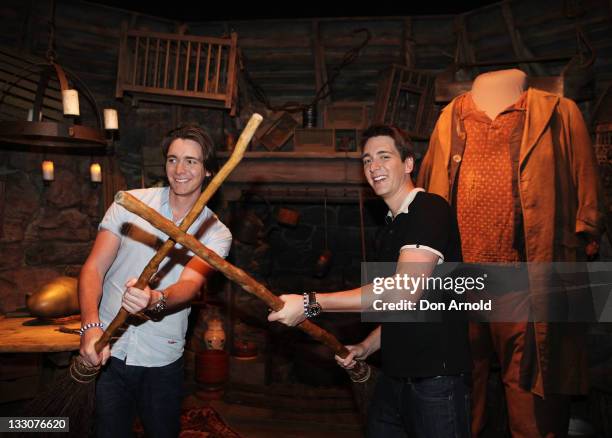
x,y
184,66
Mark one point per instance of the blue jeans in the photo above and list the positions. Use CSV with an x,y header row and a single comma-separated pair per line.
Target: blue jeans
x,y
154,393
433,407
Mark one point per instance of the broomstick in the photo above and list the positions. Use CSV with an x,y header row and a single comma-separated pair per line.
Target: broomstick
x,y
359,374
72,393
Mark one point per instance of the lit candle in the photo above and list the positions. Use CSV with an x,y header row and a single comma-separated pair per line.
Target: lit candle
x,y
70,101
111,120
95,172
47,170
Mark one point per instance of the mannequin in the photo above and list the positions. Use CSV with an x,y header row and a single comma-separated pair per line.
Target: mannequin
x,y
518,166
495,91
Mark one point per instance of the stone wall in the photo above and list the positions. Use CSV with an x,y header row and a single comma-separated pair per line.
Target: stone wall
x,y
46,230
284,258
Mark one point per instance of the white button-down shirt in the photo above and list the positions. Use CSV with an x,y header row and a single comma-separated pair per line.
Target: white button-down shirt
x,y
152,343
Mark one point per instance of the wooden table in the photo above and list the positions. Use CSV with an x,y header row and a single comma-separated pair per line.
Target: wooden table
x,y
15,337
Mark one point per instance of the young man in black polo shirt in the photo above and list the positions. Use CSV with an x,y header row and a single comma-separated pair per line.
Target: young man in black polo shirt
x,y
422,389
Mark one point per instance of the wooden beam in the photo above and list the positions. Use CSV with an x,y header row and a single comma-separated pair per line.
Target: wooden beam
x,y
2,192
296,167
518,47
318,52
121,67
408,45
463,40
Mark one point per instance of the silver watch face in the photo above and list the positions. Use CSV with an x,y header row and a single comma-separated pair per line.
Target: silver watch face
x,y
314,309
161,305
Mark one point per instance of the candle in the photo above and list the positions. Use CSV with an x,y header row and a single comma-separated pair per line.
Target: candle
x,y
110,119
95,172
31,115
47,170
70,101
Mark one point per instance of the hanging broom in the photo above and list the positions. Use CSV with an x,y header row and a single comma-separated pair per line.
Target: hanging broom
x,y
72,393
360,374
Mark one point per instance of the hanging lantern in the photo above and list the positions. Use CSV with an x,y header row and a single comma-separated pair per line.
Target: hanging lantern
x,y
44,125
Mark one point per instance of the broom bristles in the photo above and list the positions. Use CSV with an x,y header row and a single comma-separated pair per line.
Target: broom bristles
x,y
67,397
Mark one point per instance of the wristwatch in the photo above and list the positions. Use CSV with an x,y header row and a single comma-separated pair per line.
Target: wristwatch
x,y
160,306
311,307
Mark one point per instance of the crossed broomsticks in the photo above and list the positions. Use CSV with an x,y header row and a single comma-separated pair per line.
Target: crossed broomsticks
x,y
83,373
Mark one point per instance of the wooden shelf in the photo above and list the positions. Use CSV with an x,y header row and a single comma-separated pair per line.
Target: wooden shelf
x,y
295,155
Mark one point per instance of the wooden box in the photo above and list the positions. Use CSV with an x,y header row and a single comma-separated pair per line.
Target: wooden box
x,y
314,140
346,140
178,68
345,115
276,131
405,98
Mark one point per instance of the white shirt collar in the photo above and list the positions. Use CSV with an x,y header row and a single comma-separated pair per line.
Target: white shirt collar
x,y
407,201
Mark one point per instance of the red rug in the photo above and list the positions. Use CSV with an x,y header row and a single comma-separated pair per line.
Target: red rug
x,y
199,423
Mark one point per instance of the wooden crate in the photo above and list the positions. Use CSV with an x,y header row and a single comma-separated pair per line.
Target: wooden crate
x,y
405,98
347,140
314,140
345,115
176,68
276,131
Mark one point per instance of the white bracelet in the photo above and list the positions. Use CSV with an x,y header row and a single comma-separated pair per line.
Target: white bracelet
x,y
89,325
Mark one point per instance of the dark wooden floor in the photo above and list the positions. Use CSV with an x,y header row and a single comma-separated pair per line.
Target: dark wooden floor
x,y
285,411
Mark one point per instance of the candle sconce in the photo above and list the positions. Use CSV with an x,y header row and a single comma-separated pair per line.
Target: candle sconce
x,y
95,173
48,171
65,122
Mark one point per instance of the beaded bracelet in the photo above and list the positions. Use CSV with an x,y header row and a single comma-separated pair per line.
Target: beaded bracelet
x,y
89,325
306,302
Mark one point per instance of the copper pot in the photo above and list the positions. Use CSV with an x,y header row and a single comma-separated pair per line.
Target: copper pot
x,y
244,350
212,367
56,299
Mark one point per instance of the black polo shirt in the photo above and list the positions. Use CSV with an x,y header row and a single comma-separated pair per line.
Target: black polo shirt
x,y
418,349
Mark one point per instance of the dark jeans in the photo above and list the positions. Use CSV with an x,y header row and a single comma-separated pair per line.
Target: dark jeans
x,y
154,393
433,407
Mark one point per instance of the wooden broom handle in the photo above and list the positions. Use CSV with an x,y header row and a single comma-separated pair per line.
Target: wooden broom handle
x,y
359,374
187,221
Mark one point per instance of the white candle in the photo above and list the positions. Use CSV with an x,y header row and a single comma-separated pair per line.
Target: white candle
x,y
30,114
95,172
111,121
70,101
47,170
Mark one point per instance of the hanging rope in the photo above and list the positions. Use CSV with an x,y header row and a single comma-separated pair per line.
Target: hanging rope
x,y
325,89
